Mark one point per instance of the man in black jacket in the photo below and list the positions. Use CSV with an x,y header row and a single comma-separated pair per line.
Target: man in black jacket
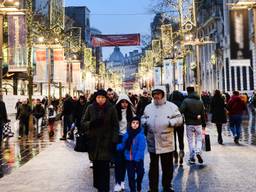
x,y
38,112
68,109
193,109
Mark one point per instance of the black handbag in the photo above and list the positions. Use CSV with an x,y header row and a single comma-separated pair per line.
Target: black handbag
x,y
207,142
81,143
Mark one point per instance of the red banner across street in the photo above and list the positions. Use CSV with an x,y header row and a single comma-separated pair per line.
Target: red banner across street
x,y
115,40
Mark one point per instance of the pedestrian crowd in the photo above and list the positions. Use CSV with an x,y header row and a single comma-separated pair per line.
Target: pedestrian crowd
x,y
119,128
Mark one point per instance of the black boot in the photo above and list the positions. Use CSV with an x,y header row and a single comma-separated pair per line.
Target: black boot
x,y
219,130
181,154
175,155
220,140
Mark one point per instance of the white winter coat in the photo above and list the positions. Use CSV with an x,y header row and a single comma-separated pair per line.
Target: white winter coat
x,y
160,121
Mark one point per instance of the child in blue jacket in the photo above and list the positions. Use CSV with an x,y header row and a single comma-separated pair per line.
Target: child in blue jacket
x,y
133,145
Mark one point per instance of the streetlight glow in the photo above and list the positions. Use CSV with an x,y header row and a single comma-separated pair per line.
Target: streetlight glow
x,y
40,39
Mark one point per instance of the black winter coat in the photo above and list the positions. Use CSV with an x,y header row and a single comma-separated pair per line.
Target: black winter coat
x,y
218,110
3,113
101,127
191,107
143,102
38,111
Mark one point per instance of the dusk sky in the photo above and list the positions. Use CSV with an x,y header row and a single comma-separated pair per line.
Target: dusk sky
x,y
118,17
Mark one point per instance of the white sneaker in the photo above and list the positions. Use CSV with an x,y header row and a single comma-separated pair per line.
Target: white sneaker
x,y
117,188
122,185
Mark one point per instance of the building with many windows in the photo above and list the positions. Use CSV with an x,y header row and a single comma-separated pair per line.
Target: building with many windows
x,y
227,61
81,18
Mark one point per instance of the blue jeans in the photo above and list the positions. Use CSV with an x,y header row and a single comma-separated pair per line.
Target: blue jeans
x,y
133,168
235,125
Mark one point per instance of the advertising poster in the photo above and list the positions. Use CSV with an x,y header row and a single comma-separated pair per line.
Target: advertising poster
x,y
17,43
168,72
157,76
41,72
240,53
59,66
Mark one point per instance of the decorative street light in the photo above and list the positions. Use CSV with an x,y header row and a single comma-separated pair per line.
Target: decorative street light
x,y
197,43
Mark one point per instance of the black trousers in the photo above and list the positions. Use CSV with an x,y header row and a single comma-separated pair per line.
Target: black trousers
x,y
101,174
24,126
67,124
167,171
179,131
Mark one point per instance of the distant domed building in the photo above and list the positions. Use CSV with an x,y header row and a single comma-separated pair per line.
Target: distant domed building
x,y
126,65
116,60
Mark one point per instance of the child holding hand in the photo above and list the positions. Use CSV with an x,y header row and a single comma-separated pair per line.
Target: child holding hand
x,y
133,145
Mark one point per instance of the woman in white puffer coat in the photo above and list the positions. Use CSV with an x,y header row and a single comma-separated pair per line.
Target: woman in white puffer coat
x,y
159,120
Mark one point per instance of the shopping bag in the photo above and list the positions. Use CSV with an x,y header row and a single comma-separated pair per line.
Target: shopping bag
x,y
7,131
81,143
206,142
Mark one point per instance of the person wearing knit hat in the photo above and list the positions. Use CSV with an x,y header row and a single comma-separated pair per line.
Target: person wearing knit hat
x,y
133,145
101,92
100,123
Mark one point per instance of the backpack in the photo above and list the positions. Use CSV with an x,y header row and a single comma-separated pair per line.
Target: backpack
x,y
50,112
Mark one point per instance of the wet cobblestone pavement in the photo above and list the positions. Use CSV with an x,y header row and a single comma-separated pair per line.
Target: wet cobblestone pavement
x,y
15,152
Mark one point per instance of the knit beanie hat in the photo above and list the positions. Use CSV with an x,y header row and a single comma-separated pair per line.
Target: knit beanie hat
x,y
101,92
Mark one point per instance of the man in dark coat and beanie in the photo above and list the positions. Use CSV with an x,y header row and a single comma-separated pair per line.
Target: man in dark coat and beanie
x,y
68,108
143,102
100,123
193,109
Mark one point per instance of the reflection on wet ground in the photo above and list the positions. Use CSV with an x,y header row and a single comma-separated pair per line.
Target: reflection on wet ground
x,y
16,152
248,133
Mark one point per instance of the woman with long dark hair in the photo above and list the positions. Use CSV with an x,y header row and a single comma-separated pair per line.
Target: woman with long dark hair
x,y
218,113
125,113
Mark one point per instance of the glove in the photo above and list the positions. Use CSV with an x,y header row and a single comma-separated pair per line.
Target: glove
x,y
145,126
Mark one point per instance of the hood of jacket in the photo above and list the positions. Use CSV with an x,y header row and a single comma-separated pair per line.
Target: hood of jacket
x,y
160,88
123,97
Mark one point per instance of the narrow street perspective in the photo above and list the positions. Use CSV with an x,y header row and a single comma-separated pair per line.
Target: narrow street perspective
x,y
127,96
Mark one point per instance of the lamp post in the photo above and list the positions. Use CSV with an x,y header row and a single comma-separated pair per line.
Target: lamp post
x,y
69,75
1,54
197,43
29,18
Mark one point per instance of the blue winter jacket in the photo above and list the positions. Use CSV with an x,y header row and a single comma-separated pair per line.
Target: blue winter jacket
x,y
136,153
